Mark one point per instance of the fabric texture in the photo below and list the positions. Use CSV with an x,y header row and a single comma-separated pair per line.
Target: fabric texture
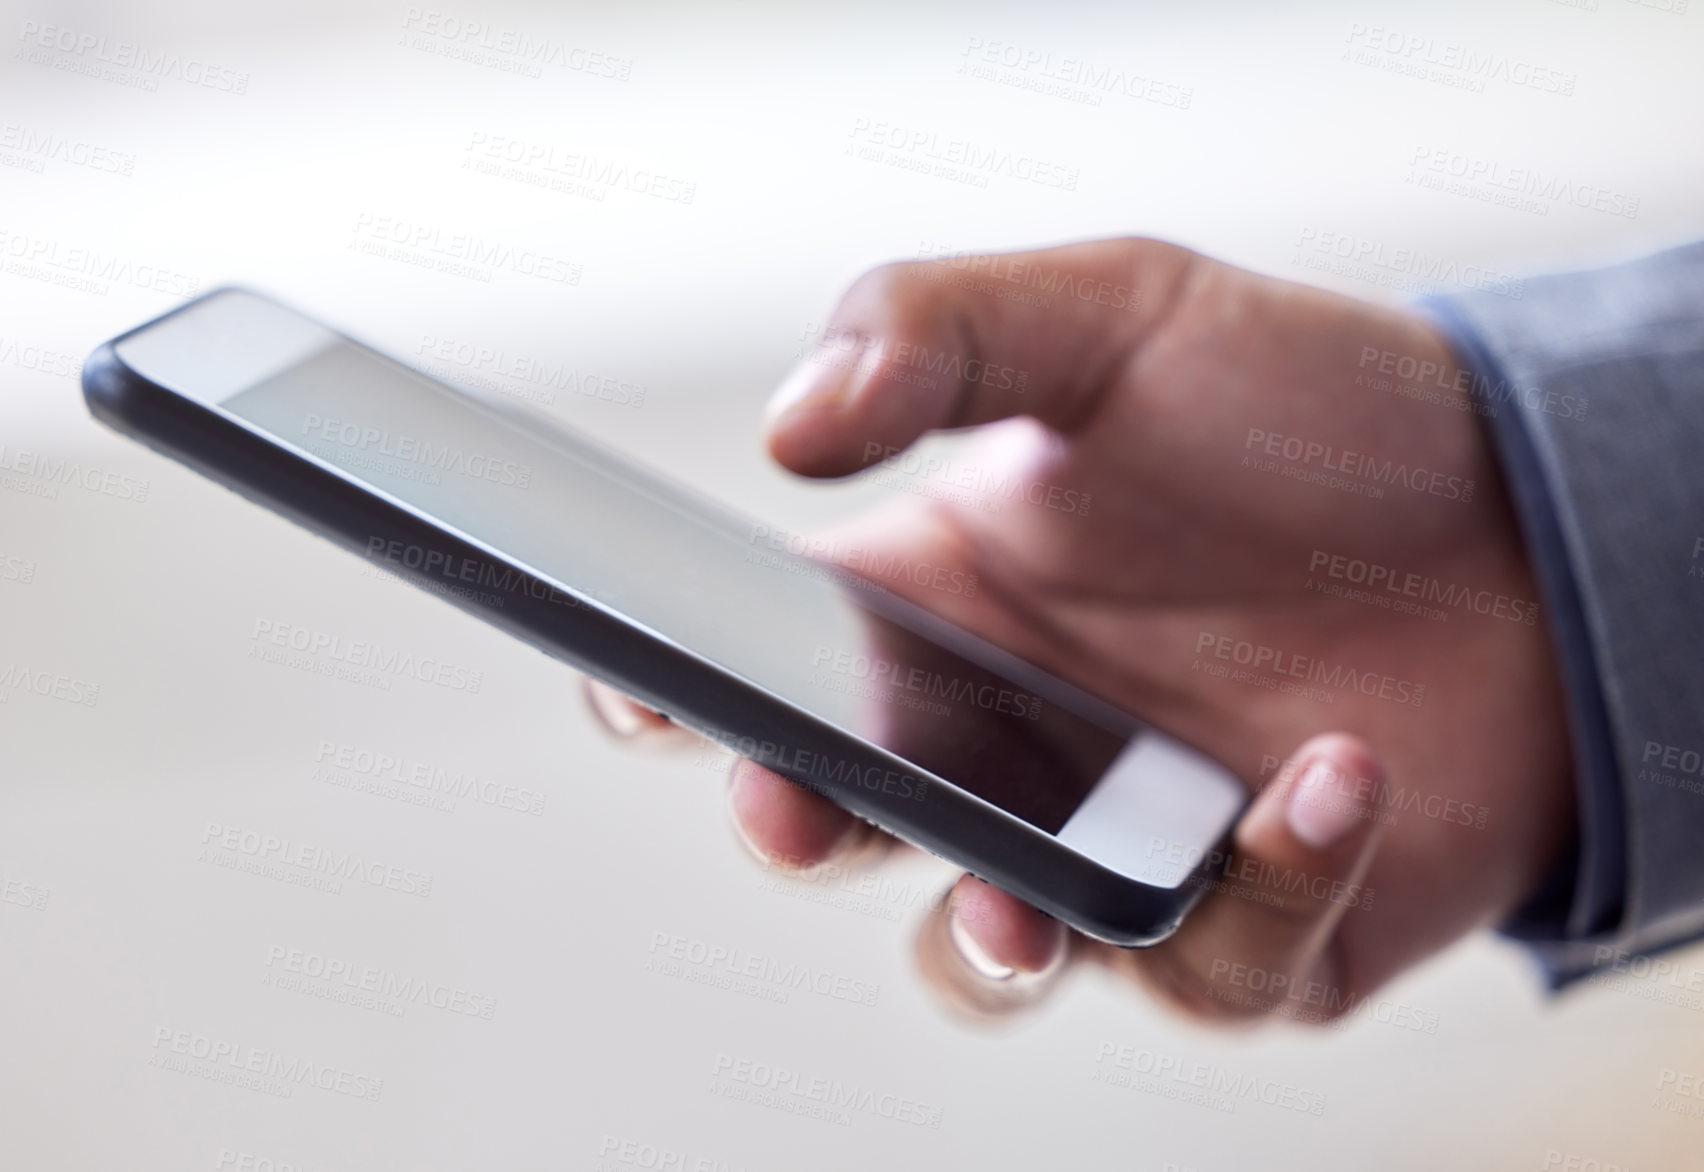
x,y
1591,386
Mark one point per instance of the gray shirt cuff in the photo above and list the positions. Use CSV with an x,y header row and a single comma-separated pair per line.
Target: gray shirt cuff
x,y
1591,386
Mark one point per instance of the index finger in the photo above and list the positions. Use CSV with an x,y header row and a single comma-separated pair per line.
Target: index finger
x,y
919,346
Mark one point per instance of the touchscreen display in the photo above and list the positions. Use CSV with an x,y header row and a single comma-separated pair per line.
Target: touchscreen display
x,y
731,593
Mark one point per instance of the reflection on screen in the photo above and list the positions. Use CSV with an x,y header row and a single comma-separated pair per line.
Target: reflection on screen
x,y
596,526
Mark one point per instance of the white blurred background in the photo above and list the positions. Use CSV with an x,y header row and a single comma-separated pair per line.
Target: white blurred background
x,y
1267,134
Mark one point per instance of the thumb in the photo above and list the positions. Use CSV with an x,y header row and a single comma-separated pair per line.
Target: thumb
x,y
1264,941
941,344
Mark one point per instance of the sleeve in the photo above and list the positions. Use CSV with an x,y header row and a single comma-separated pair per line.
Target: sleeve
x,y
1591,386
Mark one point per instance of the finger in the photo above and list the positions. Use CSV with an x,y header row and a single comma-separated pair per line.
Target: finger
x,y
989,955
1263,941
910,349
629,720
779,822
786,825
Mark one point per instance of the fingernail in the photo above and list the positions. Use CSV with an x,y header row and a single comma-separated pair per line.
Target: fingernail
x,y
750,843
1320,812
815,380
844,846
847,844
973,953
824,377
613,712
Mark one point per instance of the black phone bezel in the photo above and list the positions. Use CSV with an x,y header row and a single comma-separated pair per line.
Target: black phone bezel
x,y
946,821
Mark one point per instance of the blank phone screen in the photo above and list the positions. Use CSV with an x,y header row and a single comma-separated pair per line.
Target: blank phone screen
x,y
726,591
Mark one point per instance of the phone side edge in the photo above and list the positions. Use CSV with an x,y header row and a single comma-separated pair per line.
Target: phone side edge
x,y
950,823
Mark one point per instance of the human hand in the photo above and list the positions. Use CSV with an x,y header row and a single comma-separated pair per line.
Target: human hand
x,y
1201,425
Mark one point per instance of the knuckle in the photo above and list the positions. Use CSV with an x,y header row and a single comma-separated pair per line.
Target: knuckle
x,y
1201,1009
879,285
893,295
1190,994
1153,250
1158,264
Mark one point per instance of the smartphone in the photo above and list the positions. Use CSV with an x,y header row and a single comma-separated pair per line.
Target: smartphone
x,y
841,686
